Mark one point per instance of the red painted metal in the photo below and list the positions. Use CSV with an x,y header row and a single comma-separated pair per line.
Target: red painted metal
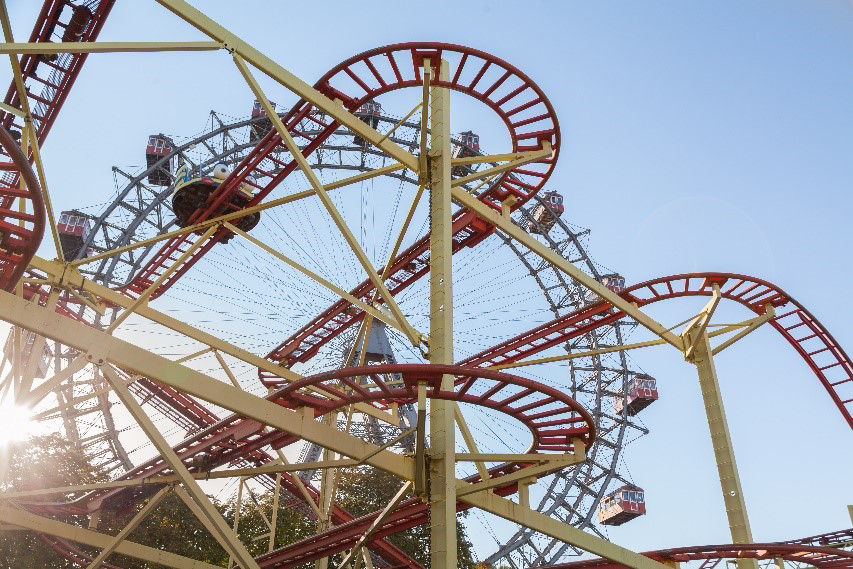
x,y
552,417
751,292
18,243
808,554
811,340
50,18
366,76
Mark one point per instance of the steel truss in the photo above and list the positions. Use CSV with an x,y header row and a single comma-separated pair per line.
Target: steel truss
x,y
229,142
55,300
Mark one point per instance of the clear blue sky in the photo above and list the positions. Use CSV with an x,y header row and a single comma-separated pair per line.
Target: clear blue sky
x,y
697,136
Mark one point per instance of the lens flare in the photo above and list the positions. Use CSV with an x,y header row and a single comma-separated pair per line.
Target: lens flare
x,y
16,423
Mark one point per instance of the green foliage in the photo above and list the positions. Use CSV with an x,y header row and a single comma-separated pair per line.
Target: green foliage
x,y
172,527
51,461
366,490
40,462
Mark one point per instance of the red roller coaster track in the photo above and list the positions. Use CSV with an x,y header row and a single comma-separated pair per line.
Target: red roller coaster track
x,y
235,438
811,340
19,242
752,293
820,557
550,415
525,110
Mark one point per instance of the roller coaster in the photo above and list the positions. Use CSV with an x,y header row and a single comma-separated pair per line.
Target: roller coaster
x,y
358,371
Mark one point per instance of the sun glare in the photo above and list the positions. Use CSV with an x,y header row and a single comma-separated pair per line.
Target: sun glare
x,y
16,423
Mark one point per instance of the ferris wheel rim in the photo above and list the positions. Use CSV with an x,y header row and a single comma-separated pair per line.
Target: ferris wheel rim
x,y
422,50
234,150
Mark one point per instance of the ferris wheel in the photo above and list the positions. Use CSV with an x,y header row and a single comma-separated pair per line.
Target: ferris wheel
x,y
255,237
142,208
496,281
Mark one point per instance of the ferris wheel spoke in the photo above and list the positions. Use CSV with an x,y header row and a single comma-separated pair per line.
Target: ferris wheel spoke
x,y
413,335
512,163
372,312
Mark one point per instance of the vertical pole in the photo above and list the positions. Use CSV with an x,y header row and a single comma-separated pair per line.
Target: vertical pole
x,y
442,493
274,520
327,486
237,511
723,451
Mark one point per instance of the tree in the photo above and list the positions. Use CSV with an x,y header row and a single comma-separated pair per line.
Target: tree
x,y
365,490
51,461
40,462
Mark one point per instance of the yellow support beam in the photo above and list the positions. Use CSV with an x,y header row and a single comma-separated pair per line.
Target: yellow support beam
x,y
238,214
127,529
551,527
107,47
495,218
721,441
317,278
287,79
525,158
442,451
412,334
135,359
26,520
769,314
207,513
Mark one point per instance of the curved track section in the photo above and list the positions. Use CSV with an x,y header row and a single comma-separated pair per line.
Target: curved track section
x,y
552,417
524,109
20,232
810,555
809,338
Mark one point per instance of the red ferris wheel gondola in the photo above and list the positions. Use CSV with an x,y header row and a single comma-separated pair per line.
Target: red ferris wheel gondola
x,y
159,146
260,126
622,505
369,113
546,213
642,391
469,145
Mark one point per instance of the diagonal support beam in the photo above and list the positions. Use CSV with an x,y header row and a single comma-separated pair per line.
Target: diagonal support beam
x,y
315,277
107,47
278,73
525,158
131,525
383,171
210,515
554,528
44,388
305,166
73,278
496,158
699,324
26,520
205,521
493,217
134,359
356,549
769,314
143,298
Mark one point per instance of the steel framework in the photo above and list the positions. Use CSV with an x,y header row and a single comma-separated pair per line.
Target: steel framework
x,y
55,301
